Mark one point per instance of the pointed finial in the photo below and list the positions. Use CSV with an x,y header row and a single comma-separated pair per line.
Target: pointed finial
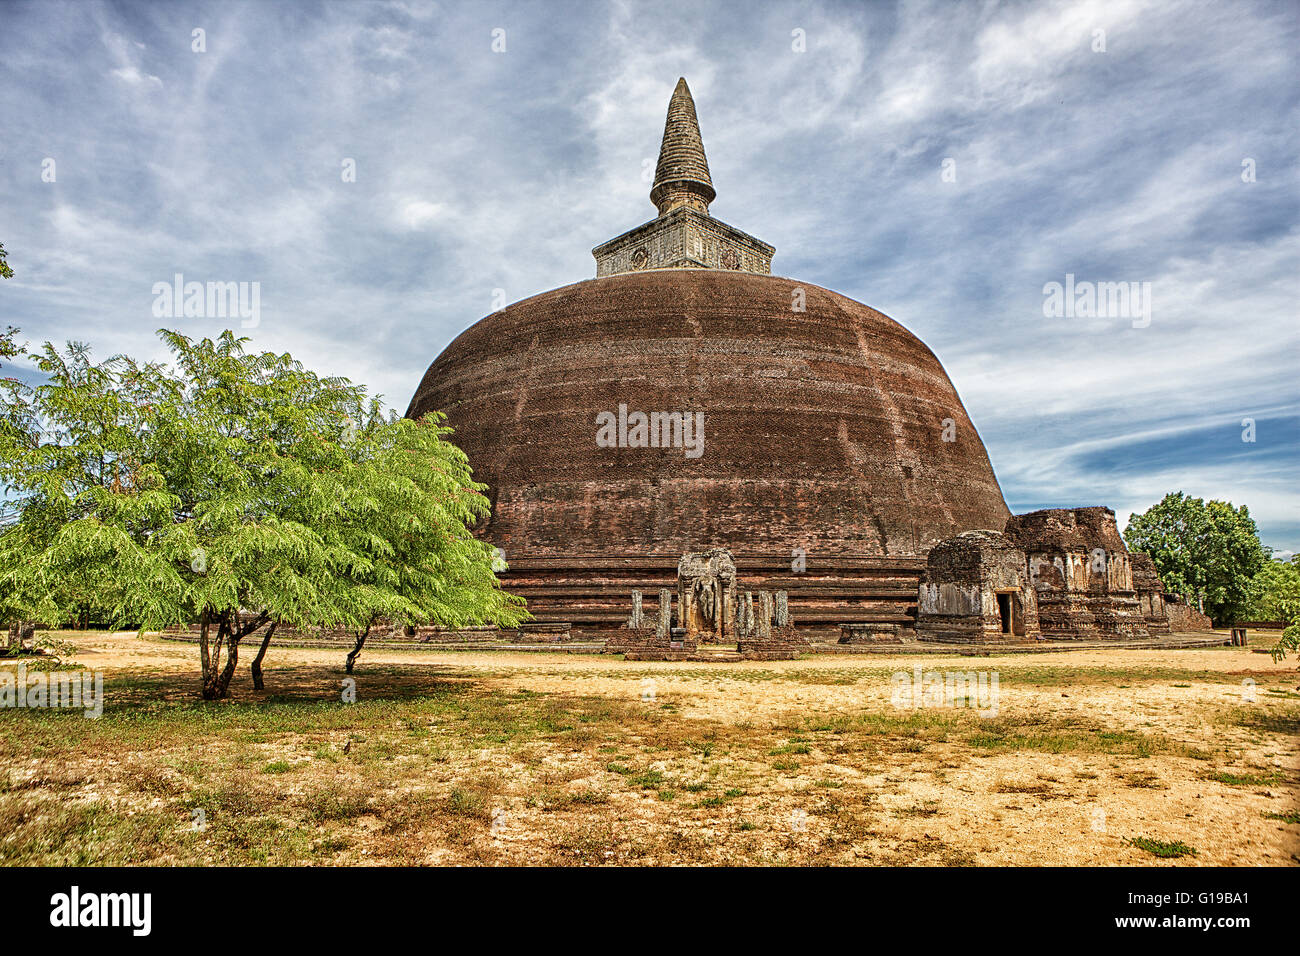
x,y
682,176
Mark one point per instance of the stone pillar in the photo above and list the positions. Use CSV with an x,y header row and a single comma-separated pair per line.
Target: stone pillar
x,y
764,629
745,615
782,609
664,623
638,618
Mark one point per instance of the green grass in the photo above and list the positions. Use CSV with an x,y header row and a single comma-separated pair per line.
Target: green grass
x,y
1289,817
791,748
1068,736
650,780
1272,778
1162,849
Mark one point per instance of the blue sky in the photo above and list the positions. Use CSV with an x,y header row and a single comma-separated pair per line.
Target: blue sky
x,y
479,170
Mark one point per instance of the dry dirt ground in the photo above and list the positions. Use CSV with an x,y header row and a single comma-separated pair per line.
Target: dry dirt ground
x,y
1188,757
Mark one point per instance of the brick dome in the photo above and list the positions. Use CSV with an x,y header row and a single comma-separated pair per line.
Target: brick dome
x,y
823,428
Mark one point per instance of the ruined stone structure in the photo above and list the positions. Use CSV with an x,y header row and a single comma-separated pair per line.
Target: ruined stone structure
x,y
710,609
706,595
1183,617
644,639
1164,613
687,401
767,630
1150,592
1081,573
1059,574
977,589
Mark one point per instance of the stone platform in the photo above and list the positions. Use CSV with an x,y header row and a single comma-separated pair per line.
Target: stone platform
x,y
1164,642
591,592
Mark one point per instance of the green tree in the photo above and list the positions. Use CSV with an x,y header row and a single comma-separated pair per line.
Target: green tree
x,y
10,347
1275,591
63,445
5,271
1275,596
30,597
242,490
1206,551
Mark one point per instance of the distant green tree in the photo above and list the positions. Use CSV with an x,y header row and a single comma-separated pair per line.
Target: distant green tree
x,y
5,271
241,490
1206,551
1275,590
1275,596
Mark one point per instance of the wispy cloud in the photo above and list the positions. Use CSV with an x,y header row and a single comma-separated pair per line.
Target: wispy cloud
x,y
477,171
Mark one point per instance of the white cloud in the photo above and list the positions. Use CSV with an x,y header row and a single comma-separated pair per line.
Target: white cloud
x,y
479,171
133,76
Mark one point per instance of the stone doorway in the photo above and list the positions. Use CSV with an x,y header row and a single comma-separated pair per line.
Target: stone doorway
x,y
1006,612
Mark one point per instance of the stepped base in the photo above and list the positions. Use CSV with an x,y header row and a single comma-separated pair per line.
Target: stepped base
x,y
593,593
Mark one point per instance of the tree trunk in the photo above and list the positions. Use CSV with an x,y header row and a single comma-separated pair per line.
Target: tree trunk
x,y
205,620
261,653
361,641
218,685
212,684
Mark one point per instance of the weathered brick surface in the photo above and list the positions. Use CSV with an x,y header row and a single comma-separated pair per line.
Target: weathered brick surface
x,y
1066,529
779,644
593,593
1150,593
1183,617
959,598
1082,574
864,633
822,428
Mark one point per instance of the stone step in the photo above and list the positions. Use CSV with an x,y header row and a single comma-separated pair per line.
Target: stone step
x,y
580,617
577,591
779,563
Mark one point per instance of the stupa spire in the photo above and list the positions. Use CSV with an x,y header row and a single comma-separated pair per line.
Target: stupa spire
x,y
682,175
683,235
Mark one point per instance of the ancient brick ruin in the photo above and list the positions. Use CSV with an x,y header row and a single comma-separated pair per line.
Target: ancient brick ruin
x,y
977,589
1062,574
1150,592
711,608
836,463
1080,570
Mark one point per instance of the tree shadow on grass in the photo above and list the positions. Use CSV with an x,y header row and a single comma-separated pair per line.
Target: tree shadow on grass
x,y
1285,722
290,685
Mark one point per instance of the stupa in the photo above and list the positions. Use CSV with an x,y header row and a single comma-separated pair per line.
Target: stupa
x,y
686,399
